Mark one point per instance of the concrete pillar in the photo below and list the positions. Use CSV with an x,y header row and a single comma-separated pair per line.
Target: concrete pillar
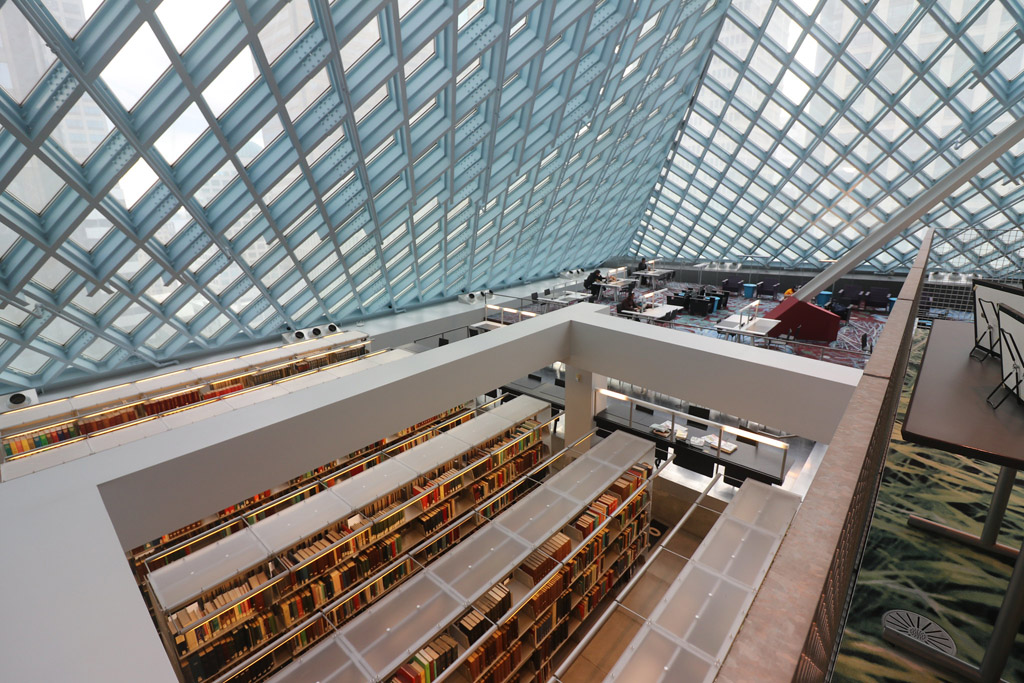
x,y
580,401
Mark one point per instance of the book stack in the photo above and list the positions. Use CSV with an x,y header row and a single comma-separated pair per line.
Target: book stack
x,y
429,662
541,561
495,602
474,624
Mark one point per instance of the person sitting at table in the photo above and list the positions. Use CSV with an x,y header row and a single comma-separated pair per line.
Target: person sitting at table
x,y
592,284
642,265
627,304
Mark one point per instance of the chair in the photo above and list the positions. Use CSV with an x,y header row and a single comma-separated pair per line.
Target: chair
x,y
768,288
699,306
876,297
732,284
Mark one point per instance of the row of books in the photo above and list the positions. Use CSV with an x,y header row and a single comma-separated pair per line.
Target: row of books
x,y
437,517
598,511
545,650
629,556
586,555
359,601
212,658
293,608
504,664
195,611
541,561
593,595
162,405
523,437
505,474
108,419
322,563
484,656
139,554
588,577
307,636
429,662
23,443
488,609
443,542
53,434
223,388
551,590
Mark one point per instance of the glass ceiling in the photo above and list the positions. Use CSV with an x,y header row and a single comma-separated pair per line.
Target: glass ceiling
x,y
818,120
188,174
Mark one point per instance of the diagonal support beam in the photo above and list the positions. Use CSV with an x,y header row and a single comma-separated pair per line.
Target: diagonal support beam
x,y
956,178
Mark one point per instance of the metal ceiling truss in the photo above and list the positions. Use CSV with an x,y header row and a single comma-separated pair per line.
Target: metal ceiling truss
x,y
385,154
819,120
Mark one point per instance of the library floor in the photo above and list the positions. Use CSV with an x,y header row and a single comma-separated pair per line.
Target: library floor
x,y
903,568
603,651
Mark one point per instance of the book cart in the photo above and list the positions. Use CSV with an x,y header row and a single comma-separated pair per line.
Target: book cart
x,y
35,429
499,605
339,549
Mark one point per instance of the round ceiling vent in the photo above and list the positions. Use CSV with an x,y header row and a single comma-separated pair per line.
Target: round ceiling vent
x,y
920,628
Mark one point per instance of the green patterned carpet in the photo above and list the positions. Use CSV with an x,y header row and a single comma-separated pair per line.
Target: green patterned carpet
x,y
903,568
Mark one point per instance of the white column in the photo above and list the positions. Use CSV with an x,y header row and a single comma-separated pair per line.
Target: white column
x,y
580,402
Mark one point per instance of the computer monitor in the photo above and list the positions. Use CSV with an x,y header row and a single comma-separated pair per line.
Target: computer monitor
x,y
698,411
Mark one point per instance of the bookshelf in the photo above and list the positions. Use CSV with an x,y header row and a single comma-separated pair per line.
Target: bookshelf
x,y
36,429
496,593
180,542
339,548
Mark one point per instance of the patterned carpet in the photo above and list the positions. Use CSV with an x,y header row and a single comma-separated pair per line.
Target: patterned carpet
x,y
959,588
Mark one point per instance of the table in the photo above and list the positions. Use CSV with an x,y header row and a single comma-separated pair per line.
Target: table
x,y
564,299
948,411
653,275
749,289
655,313
742,325
761,462
618,285
485,326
